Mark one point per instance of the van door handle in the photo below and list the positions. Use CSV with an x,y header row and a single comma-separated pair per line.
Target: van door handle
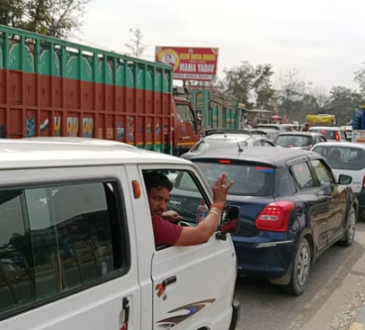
x,y
126,309
170,280
161,288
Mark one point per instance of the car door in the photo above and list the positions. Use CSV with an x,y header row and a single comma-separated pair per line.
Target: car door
x,y
316,206
71,239
337,202
189,282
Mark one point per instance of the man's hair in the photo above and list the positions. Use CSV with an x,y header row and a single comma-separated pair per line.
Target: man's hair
x,y
156,180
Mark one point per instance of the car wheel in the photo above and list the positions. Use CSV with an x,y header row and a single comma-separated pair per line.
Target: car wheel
x,y
300,270
349,235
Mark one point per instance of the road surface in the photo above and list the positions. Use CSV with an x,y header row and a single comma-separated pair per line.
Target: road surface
x,y
335,291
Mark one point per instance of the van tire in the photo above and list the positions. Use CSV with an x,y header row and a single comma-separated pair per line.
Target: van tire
x,y
300,270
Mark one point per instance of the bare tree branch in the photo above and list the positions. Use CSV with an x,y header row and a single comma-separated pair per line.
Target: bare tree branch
x,y
136,46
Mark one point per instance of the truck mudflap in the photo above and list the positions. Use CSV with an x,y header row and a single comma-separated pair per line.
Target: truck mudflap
x,y
236,309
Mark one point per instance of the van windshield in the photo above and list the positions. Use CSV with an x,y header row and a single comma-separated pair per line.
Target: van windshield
x,y
249,179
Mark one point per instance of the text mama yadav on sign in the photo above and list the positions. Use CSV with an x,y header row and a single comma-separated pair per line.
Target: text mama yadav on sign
x,y
187,62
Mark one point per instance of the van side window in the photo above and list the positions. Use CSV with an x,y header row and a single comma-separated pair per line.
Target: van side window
x,y
185,197
58,240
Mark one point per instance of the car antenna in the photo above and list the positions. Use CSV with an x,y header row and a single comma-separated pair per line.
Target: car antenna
x,y
239,147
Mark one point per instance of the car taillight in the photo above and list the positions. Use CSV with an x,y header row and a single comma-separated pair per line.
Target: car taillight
x,y
275,216
363,182
337,136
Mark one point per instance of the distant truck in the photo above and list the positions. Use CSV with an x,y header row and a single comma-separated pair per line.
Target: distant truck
x,y
321,120
216,110
52,87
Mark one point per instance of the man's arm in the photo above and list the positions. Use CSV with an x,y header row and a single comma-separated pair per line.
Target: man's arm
x,y
204,230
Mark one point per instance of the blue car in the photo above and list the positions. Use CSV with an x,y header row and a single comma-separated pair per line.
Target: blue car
x,y
292,210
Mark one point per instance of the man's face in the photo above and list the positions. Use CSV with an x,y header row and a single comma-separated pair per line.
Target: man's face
x,y
158,199
168,58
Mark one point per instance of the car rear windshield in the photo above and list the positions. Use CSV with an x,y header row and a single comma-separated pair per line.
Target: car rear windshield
x,y
327,133
249,179
343,158
207,145
291,141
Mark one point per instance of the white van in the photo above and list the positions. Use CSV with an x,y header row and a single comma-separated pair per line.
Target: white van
x,y
76,227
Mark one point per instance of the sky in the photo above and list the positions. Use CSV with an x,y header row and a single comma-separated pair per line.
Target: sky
x,y
321,38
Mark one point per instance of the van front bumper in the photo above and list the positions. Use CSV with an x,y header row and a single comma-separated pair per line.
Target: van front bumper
x,y
236,309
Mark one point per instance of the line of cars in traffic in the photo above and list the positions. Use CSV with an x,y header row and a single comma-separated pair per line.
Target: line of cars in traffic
x,y
294,203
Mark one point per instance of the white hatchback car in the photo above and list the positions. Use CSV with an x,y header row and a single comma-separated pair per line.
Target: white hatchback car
x,y
346,158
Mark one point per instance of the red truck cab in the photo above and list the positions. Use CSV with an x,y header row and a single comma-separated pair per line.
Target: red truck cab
x,y
186,123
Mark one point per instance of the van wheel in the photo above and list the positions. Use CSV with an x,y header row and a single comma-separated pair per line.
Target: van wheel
x,y
301,269
349,235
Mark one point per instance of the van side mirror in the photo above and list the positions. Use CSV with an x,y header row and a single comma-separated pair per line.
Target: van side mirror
x,y
230,219
344,179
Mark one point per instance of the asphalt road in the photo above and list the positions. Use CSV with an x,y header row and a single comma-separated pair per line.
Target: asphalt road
x,y
335,291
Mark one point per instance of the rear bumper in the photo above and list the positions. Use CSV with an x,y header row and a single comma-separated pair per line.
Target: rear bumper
x,y
236,309
269,259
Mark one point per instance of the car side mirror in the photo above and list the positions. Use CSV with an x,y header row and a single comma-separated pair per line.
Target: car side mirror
x,y
344,179
230,220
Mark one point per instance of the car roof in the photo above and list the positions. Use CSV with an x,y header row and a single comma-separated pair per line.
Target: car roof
x,y
56,152
299,133
268,130
268,125
227,136
340,144
329,128
273,156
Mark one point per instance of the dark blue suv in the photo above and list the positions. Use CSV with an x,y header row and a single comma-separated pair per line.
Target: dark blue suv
x,y
292,210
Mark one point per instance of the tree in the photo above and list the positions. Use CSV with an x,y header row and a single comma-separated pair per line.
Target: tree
x,y
11,12
322,98
136,46
342,102
360,79
290,91
251,85
55,18
263,86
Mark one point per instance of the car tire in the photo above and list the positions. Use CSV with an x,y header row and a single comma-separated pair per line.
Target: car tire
x,y
349,235
300,269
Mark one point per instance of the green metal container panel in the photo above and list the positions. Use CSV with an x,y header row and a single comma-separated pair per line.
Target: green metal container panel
x,y
216,115
34,53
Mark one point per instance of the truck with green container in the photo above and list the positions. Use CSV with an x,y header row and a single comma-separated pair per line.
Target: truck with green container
x,y
216,110
52,87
